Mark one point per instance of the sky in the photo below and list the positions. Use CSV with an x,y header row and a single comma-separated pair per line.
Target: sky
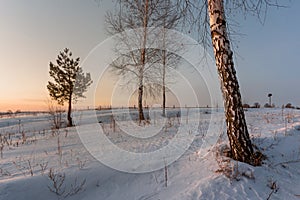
x,y
34,31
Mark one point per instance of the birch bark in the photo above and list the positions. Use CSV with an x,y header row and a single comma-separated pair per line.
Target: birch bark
x,y
240,143
143,61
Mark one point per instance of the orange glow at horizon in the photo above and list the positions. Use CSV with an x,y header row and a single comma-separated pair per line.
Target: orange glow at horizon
x,y
22,106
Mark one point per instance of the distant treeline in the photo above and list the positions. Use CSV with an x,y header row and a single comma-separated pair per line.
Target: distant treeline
x,y
20,113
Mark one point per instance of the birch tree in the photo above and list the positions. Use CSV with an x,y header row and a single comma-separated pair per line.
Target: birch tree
x,y
170,19
131,15
240,143
140,62
209,19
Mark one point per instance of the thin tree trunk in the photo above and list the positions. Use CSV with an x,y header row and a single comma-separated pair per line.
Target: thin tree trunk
x,y
164,64
164,101
143,60
240,143
69,111
164,83
140,98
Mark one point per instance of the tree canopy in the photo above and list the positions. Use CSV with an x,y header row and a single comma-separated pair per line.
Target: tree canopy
x,y
69,80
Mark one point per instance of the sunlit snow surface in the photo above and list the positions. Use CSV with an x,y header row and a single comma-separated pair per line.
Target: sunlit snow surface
x,y
29,141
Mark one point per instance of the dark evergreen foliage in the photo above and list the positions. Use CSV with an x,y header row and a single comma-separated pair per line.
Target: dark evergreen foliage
x,y
69,80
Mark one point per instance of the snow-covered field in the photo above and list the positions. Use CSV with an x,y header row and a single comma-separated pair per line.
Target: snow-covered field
x,y
40,163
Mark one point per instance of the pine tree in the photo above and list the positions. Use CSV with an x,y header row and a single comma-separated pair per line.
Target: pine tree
x,y
69,81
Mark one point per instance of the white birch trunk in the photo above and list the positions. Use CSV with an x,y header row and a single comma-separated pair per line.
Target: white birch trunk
x,y
143,60
240,143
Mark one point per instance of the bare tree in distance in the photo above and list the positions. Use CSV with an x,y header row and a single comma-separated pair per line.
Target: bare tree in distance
x,y
170,19
208,19
131,15
141,61
69,81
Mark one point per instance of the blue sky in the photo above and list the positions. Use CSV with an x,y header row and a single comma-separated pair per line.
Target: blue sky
x,y
34,31
269,56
